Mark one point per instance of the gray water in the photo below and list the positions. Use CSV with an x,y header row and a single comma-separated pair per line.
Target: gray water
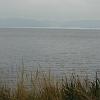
x,y
59,50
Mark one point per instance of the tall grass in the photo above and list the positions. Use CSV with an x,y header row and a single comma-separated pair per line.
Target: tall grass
x,y
45,87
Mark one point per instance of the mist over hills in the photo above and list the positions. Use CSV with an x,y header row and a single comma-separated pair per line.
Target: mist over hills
x,y
45,23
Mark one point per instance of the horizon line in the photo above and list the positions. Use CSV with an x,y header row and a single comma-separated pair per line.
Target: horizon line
x,y
52,27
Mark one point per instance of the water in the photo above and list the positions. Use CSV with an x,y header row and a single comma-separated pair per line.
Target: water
x,y
60,50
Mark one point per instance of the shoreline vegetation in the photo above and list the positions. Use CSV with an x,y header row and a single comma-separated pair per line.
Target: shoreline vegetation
x,y
42,86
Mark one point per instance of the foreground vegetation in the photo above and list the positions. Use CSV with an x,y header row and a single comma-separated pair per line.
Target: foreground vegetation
x,y
45,87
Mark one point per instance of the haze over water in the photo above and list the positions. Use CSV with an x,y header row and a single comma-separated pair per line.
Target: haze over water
x,y
60,50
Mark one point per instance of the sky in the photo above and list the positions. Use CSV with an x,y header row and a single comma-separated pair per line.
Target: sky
x,y
51,10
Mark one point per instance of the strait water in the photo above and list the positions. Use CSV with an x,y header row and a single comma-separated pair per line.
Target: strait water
x,y
59,50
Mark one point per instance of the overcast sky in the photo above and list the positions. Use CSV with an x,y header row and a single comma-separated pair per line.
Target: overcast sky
x,y
51,9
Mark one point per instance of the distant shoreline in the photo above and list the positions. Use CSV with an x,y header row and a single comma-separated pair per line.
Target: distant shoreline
x,y
50,28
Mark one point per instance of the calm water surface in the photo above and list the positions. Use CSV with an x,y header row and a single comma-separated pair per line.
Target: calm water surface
x,y
60,50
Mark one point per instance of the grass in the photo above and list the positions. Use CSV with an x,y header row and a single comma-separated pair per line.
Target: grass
x,y
45,87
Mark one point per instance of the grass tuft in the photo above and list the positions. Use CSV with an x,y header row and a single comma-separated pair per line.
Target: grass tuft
x,y
40,86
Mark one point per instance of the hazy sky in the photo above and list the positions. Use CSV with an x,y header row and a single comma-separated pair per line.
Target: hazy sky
x,y
51,9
